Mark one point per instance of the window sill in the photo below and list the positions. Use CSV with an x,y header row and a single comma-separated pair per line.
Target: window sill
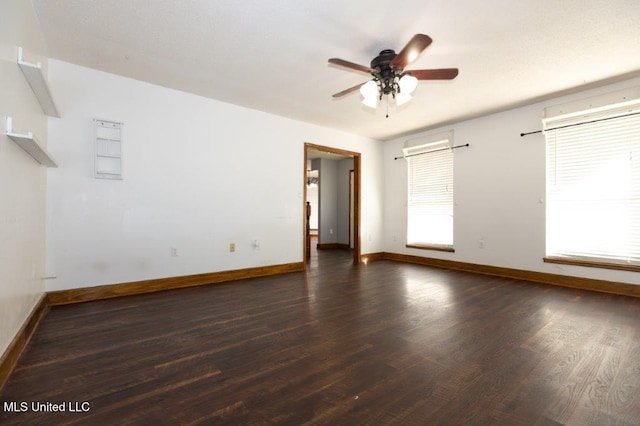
x,y
431,247
592,263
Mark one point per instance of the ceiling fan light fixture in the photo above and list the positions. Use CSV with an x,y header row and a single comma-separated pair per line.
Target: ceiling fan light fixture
x,y
369,89
369,92
408,84
371,102
402,98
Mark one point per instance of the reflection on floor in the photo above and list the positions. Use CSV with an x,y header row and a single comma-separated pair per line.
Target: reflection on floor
x,y
328,257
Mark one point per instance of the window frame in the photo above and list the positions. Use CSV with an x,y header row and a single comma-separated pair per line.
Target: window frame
x,y
595,113
433,145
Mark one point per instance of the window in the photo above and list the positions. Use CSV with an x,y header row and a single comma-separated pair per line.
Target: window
x,y
593,187
430,195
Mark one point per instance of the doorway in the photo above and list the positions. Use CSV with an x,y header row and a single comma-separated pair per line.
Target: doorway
x,y
318,154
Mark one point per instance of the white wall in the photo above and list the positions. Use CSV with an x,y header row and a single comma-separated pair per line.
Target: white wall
x,y
22,179
328,205
334,200
499,186
198,175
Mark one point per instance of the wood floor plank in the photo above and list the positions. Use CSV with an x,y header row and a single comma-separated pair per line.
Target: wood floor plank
x,y
385,343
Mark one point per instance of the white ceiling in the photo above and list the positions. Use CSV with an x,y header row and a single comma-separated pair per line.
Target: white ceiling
x,y
272,55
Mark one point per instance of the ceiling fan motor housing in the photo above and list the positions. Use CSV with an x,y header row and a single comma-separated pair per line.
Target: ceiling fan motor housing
x,y
382,60
383,72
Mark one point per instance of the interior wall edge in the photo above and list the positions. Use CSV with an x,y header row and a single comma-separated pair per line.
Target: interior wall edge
x,y
10,357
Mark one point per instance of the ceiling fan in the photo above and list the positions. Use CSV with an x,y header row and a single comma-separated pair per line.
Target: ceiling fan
x,y
390,76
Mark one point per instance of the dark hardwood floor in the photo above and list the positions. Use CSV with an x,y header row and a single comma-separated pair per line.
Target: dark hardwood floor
x,y
385,343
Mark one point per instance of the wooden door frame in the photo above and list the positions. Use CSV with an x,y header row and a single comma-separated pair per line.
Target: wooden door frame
x,y
351,211
357,161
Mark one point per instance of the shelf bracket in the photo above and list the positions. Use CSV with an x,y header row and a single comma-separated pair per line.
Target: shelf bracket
x,y
35,78
30,145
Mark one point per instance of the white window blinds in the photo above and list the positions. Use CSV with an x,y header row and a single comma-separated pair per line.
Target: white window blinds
x,y
593,185
430,194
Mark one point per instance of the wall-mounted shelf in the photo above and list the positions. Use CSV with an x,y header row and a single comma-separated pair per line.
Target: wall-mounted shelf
x,y
108,143
31,146
35,77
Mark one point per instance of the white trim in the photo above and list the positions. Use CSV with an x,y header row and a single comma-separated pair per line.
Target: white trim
x,y
584,109
428,142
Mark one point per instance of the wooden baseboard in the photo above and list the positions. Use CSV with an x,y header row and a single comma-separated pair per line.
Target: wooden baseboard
x,y
590,284
63,297
333,246
370,257
11,355
86,294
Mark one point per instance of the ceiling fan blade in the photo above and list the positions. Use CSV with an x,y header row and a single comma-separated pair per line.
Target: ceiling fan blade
x,y
438,74
411,51
351,65
349,90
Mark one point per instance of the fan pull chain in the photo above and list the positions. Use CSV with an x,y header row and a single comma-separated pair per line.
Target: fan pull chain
x,y
387,116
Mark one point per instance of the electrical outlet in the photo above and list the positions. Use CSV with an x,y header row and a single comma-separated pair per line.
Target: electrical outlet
x,y
173,252
232,247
